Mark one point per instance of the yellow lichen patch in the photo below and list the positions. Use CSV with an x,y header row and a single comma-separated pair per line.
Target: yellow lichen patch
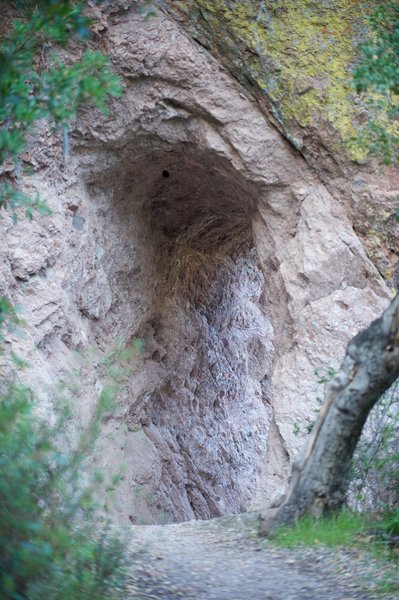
x,y
298,52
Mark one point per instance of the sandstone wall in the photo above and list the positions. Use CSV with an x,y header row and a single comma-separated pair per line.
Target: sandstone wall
x,y
185,219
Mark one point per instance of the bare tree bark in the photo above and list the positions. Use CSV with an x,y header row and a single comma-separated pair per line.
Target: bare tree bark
x,y
319,478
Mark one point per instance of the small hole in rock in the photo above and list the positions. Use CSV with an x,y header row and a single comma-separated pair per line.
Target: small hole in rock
x,y
165,173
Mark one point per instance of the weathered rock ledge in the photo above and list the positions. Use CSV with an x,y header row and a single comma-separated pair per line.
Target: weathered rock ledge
x,y
185,219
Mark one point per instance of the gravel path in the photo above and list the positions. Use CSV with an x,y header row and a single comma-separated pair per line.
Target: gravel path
x,y
224,559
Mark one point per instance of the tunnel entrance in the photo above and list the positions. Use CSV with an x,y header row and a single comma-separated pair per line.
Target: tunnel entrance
x,y
184,276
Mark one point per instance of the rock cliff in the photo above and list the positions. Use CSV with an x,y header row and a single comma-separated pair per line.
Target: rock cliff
x,y
187,218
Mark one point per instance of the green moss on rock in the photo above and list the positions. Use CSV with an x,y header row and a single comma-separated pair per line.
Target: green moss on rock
x,y
298,53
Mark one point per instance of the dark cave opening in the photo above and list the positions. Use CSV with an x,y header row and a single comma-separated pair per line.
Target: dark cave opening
x,y
205,404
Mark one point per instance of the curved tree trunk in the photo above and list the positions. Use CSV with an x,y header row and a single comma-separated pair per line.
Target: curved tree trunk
x,y
319,478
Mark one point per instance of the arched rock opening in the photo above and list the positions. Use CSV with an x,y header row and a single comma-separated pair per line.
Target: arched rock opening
x,y
151,236
179,256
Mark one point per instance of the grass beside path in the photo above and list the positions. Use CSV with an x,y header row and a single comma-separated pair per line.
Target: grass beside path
x,y
361,532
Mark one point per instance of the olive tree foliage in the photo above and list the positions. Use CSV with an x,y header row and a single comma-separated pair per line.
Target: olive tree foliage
x,y
320,477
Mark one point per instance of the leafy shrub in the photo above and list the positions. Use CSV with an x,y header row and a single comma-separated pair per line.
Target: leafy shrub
x,y
49,539
47,547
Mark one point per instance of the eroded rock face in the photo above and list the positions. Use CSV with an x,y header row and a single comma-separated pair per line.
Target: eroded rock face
x,y
179,258
297,59
184,219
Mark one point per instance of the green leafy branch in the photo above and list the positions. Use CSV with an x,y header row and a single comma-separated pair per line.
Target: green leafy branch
x,y
53,91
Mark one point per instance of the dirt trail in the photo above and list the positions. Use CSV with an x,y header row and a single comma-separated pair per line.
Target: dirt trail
x,y
223,559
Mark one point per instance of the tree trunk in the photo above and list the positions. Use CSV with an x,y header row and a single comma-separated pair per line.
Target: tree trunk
x,y
319,478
